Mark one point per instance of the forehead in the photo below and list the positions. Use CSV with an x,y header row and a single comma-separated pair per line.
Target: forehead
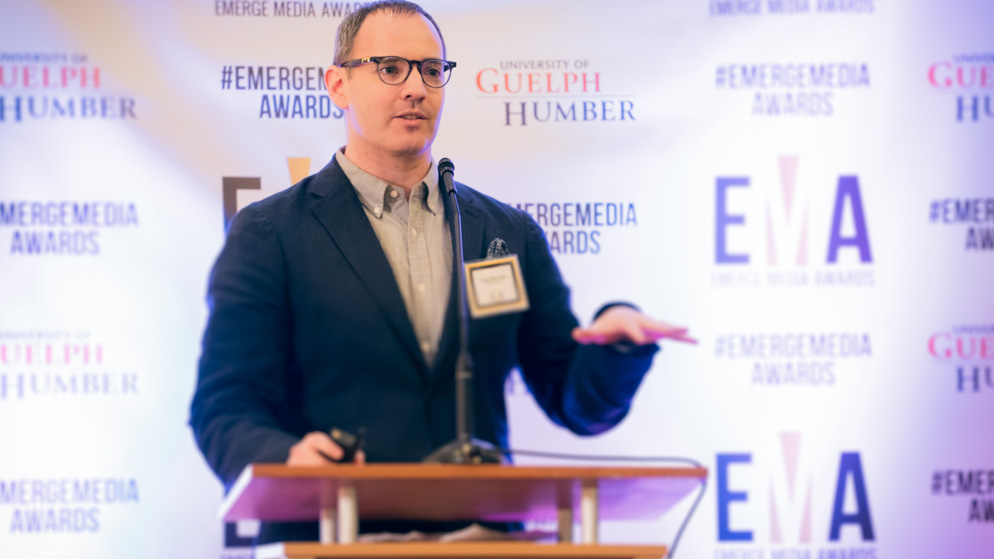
x,y
408,35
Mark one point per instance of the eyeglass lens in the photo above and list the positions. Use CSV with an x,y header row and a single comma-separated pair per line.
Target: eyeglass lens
x,y
394,70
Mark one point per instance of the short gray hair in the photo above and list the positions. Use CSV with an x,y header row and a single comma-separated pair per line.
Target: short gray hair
x,y
349,28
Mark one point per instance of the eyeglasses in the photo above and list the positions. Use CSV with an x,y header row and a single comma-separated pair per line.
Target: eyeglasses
x,y
394,70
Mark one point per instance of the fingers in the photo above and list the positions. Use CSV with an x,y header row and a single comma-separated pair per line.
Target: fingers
x,y
635,334
323,444
596,335
663,329
630,325
683,337
588,336
659,330
315,449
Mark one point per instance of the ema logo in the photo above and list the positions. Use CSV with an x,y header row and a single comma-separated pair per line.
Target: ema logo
x,y
300,167
971,348
785,234
537,81
796,527
971,77
56,86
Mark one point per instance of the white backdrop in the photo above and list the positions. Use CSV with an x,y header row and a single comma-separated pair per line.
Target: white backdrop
x,y
806,184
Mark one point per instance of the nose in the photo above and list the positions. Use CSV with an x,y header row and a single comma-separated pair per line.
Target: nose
x,y
414,87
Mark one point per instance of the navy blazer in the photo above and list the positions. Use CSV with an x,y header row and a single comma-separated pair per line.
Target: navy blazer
x,y
308,331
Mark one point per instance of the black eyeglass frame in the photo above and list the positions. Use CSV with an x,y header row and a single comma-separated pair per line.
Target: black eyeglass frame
x,y
447,67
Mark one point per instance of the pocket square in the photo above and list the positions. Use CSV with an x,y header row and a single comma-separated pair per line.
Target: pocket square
x,y
497,249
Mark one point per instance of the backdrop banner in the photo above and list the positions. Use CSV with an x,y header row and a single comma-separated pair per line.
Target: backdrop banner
x,y
806,184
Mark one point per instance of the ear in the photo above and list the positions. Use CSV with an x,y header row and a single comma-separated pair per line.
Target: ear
x,y
334,80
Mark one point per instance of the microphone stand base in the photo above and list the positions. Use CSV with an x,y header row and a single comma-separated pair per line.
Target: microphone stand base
x,y
473,451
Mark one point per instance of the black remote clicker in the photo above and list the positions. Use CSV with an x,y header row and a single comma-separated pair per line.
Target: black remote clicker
x,y
351,444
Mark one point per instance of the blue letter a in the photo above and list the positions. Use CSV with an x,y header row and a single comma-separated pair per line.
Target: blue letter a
x,y
850,465
849,188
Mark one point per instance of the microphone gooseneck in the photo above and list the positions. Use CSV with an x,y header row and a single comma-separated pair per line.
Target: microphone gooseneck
x,y
465,449
464,363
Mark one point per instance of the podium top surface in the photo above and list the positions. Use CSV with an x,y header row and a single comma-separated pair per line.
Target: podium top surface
x,y
280,493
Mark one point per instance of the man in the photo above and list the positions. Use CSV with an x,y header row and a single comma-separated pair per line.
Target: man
x,y
332,302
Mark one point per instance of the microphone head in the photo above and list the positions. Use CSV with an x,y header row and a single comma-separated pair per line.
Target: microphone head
x,y
446,166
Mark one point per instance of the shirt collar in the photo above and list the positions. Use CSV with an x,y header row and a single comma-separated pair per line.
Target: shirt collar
x,y
375,194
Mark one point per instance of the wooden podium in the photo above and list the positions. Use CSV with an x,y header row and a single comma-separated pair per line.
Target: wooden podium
x,y
336,496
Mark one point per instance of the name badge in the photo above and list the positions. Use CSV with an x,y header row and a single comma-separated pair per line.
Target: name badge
x,y
495,287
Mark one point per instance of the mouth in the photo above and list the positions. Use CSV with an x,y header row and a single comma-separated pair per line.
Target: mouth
x,y
413,116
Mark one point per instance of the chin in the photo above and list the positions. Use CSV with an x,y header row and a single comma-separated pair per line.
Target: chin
x,y
412,149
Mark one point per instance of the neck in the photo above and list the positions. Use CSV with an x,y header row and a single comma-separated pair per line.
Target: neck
x,y
404,170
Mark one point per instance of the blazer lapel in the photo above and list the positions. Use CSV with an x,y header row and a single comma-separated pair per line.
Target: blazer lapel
x,y
335,204
472,229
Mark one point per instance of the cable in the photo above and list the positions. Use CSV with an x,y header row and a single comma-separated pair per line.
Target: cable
x,y
674,459
606,458
686,519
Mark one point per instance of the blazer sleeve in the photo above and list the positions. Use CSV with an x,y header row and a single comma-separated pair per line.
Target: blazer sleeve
x,y
585,388
241,386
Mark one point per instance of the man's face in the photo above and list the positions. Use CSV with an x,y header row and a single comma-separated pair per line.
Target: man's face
x,y
389,120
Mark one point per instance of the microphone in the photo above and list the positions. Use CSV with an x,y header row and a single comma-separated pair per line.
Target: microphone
x,y
445,170
465,449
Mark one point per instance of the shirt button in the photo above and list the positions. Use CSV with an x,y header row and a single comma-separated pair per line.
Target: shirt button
x,y
414,232
421,287
425,346
393,194
377,211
